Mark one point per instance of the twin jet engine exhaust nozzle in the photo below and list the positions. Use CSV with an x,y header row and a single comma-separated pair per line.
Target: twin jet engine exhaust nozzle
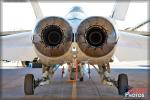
x,y
95,36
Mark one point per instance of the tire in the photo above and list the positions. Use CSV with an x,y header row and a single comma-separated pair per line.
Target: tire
x,y
122,84
81,79
29,84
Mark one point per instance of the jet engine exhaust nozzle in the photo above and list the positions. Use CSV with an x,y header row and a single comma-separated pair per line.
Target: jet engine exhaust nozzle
x,y
96,36
52,36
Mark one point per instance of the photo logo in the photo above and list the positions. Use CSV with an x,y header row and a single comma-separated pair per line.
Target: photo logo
x,y
135,93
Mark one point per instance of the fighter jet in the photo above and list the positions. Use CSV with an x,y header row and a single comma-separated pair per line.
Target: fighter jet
x,y
75,39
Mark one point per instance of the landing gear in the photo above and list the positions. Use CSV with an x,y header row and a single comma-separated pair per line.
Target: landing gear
x,y
29,84
74,71
122,84
72,77
47,72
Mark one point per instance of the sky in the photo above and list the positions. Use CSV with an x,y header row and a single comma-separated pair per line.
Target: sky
x,y
20,16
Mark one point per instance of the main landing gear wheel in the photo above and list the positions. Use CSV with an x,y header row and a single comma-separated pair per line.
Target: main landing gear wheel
x,y
122,84
29,84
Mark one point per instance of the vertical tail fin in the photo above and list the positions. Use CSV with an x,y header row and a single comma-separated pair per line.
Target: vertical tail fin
x,y
37,10
120,9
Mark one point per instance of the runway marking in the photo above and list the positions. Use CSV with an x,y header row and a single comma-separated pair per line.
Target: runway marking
x,y
74,91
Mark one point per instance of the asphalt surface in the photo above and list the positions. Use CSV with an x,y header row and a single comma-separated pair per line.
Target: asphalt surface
x,y
12,85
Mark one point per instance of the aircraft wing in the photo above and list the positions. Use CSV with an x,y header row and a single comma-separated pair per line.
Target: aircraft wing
x,y
132,47
17,47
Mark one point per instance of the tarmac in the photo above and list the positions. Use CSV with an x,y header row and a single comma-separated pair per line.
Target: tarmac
x,y
12,85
